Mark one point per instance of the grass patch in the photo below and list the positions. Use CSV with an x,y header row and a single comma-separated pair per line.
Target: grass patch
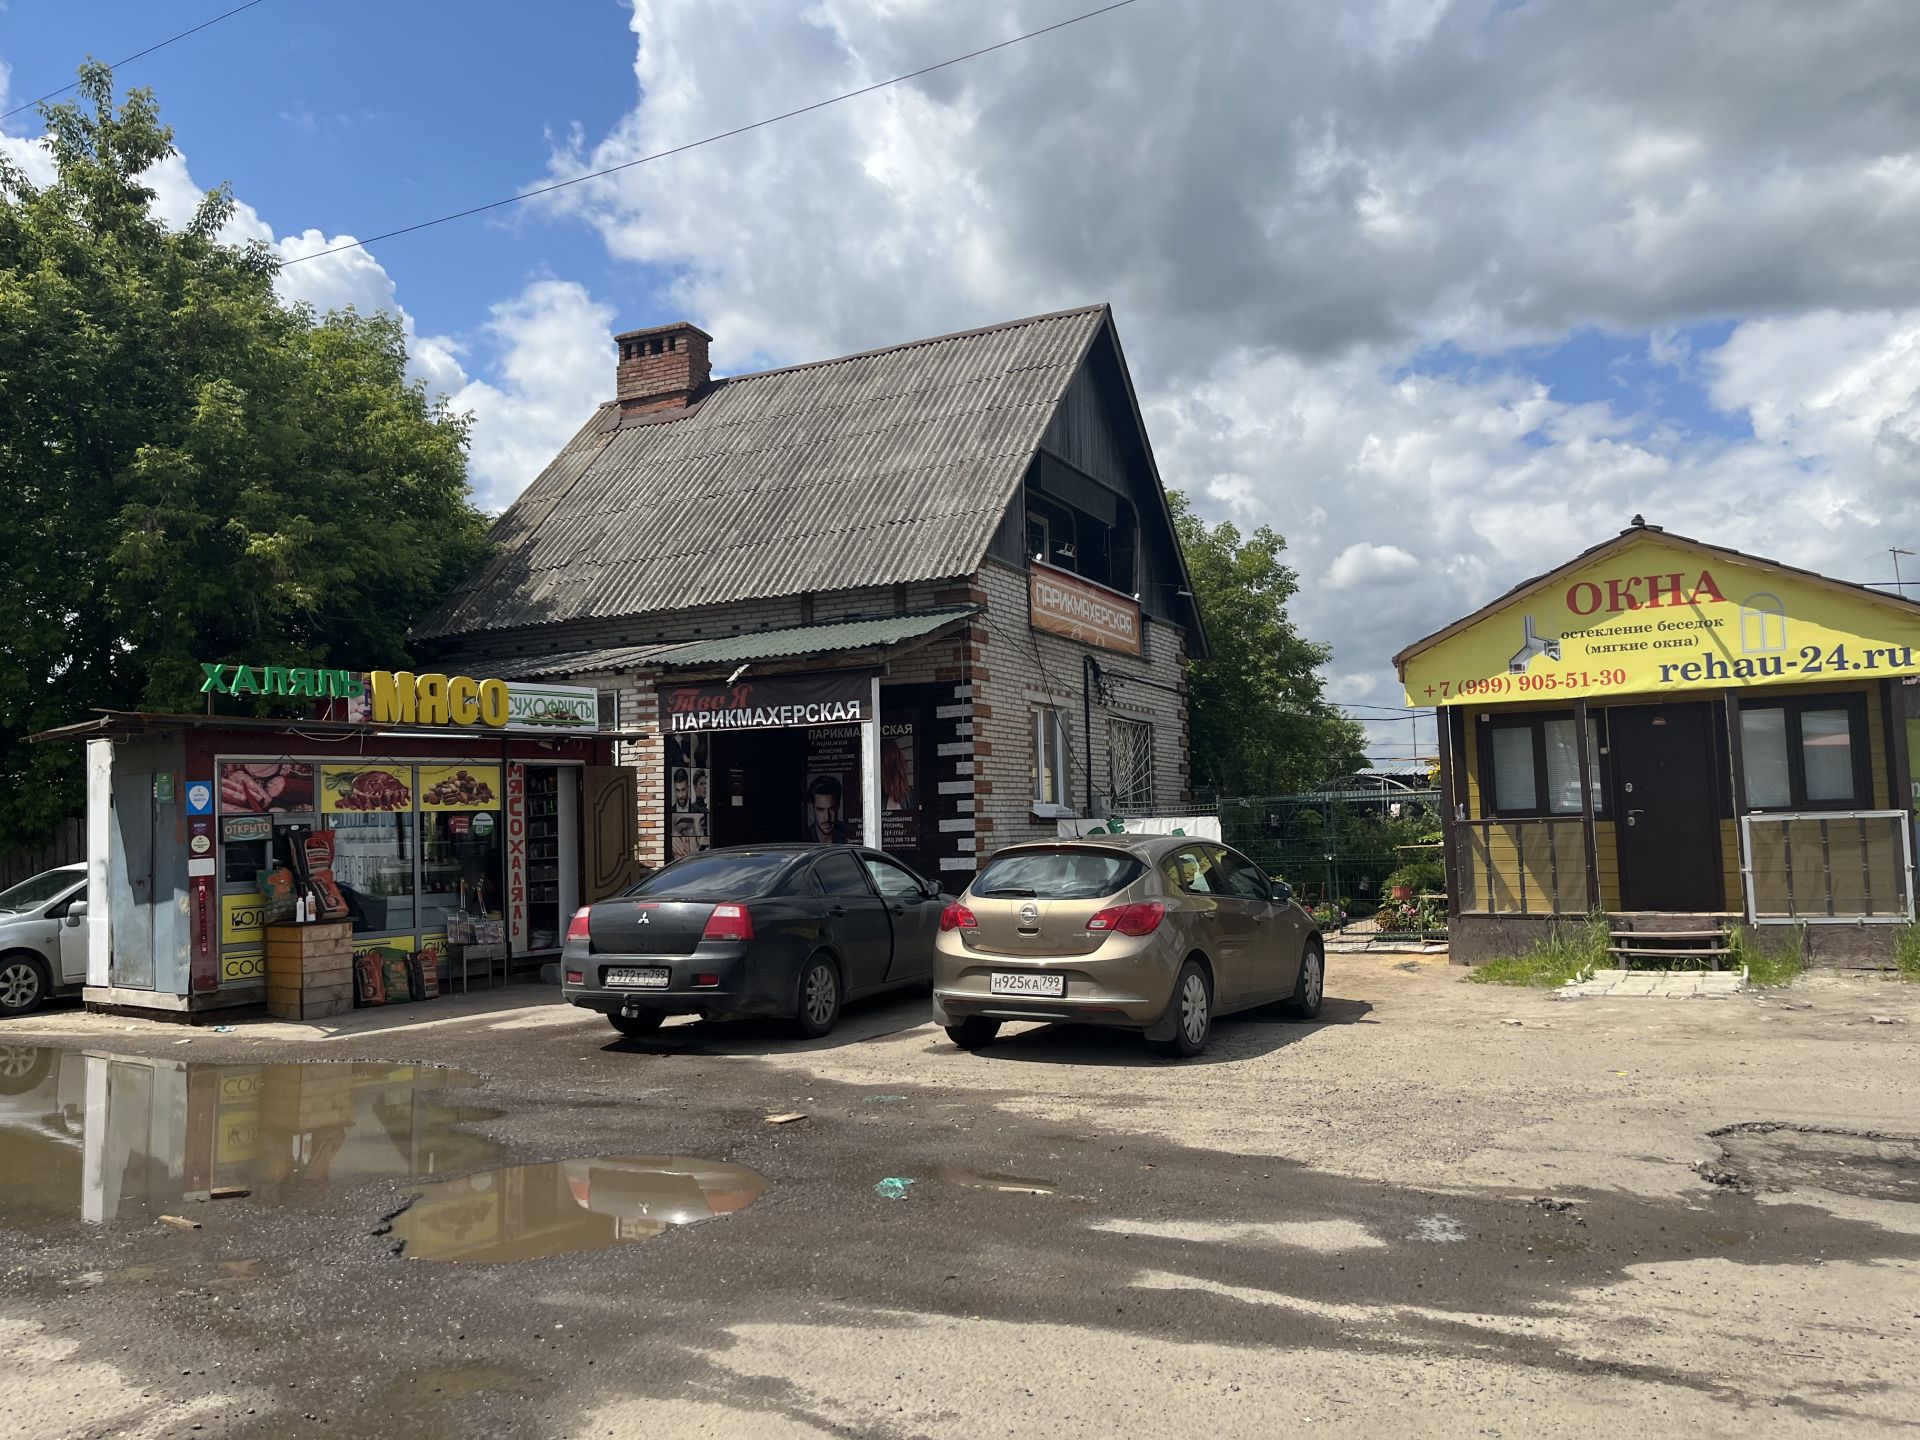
x,y
1778,959
1906,952
1570,951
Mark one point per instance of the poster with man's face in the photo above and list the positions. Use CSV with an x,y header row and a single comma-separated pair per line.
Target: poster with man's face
x,y
831,805
690,788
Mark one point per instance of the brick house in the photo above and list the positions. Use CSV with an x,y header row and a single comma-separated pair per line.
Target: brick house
x,y
938,581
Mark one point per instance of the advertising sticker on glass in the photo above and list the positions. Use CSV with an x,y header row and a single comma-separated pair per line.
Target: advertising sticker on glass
x,y
273,787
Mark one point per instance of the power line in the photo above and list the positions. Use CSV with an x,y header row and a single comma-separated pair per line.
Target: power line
x,y
711,139
137,55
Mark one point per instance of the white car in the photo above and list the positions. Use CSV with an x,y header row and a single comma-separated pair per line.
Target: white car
x,y
43,939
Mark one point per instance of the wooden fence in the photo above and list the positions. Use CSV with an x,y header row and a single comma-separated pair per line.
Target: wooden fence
x,y
67,846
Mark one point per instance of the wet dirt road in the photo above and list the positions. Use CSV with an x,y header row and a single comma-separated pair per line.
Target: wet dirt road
x,y
1442,1210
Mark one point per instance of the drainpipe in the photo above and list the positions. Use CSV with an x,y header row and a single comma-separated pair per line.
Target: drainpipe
x,y
1089,678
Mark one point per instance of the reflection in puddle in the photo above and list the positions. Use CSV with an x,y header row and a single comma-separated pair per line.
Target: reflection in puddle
x,y
102,1137
526,1212
987,1180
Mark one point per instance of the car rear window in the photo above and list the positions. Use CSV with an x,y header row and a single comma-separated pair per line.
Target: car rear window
x,y
1058,875
725,875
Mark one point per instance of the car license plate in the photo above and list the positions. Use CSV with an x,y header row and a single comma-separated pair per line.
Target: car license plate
x,y
1027,983
647,978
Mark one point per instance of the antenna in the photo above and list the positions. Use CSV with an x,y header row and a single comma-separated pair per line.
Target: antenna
x,y
1895,551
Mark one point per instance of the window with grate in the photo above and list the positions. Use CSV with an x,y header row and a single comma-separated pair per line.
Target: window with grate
x,y
1129,763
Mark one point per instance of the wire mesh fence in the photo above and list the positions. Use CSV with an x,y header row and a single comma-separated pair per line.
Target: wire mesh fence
x,y
1336,847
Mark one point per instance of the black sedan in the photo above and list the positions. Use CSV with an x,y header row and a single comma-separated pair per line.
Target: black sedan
x,y
789,931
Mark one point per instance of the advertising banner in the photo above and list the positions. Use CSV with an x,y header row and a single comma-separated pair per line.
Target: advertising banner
x,y
830,812
1061,603
243,919
1657,617
517,924
459,787
272,788
689,791
899,793
349,789
780,702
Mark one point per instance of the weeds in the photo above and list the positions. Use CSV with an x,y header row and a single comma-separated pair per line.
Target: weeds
x,y
1570,951
1906,951
1776,960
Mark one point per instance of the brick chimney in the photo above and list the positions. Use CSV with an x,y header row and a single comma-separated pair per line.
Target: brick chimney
x,y
665,368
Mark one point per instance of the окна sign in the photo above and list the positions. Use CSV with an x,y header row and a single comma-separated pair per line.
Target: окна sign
x,y
1063,604
1657,617
774,704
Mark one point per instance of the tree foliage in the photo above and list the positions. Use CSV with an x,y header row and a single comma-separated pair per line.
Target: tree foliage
x,y
194,469
1259,719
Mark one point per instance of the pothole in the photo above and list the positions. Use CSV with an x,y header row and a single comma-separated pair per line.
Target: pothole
x,y
1771,1155
529,1212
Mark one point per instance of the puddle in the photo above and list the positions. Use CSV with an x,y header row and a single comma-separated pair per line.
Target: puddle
x,y
1765,1155
528,1212
987,1180
97,1137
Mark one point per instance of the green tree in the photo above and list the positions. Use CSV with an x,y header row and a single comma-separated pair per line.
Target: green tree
x,y
1259,718
195,470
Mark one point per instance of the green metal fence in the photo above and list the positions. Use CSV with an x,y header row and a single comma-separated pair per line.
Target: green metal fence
x,y
1335,846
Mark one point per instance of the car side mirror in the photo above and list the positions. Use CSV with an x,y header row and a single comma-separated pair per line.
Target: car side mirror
x,y
1282,893
76,912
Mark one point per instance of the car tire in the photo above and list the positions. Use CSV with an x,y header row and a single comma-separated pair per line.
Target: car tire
x,y
634,1026
817,1004
971,1034
1192,1007
24,1068
24,983
1310,986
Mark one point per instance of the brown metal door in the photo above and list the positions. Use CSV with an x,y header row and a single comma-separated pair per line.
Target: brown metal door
x,y
1666,820
609,820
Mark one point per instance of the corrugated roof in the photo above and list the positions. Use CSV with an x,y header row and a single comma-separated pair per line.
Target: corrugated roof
x,y
875,469
573,662
812,639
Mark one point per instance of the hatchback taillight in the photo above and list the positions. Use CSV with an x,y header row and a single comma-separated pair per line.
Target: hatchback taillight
x,y
958,917
577,930
728,922
1128,919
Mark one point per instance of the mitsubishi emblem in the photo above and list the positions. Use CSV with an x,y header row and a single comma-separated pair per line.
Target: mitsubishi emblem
x,y
644,920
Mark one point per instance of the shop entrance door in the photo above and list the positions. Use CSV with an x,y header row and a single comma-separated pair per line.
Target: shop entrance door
x,y
1666,823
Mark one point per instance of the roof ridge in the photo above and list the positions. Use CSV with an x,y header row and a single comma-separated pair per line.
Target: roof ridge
x,y
898,346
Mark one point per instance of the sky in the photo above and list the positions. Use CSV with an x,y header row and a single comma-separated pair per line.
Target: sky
x,y
1442,292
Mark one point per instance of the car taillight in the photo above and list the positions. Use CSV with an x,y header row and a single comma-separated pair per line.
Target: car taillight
x,y
958,917
1128,919
576,977
578,930
728,922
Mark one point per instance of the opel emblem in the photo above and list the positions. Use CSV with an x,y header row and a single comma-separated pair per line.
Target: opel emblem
x,y
1029,914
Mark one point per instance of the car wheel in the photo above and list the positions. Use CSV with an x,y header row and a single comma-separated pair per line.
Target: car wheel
x,y
1310,986
23,1068
1192,1012
634,1026
819,1008
972,1034
23,983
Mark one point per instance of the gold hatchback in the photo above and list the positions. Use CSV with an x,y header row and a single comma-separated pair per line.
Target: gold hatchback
x,y
1156,933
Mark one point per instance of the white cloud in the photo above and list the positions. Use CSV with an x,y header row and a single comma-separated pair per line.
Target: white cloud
x,y
556,364
1367,564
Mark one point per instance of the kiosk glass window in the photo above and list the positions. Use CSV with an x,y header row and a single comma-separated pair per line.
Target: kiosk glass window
x,y
1806,754
1534,766
373,865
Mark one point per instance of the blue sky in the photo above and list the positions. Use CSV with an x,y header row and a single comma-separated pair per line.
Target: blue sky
x,y
1443,290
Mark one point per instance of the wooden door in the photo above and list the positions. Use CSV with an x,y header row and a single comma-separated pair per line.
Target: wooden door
x,y
1667,821
609,822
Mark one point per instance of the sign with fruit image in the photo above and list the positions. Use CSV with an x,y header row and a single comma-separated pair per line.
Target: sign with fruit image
x,y
459,787
351,789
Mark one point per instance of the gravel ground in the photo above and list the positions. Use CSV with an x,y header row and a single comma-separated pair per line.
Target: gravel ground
x,y
1444,1209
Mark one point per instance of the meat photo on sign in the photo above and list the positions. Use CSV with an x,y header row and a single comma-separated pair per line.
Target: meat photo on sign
x,y
271,788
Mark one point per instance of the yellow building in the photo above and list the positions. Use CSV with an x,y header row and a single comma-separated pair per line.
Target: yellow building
x,y
1683,736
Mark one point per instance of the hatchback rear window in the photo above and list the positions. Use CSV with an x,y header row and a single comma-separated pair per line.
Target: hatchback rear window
x,y
726,876
1057,875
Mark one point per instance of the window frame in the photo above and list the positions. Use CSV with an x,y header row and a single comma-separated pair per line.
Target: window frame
x,y
1542,809
1859,746
1049,722
1145,800
876,865
1227,859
